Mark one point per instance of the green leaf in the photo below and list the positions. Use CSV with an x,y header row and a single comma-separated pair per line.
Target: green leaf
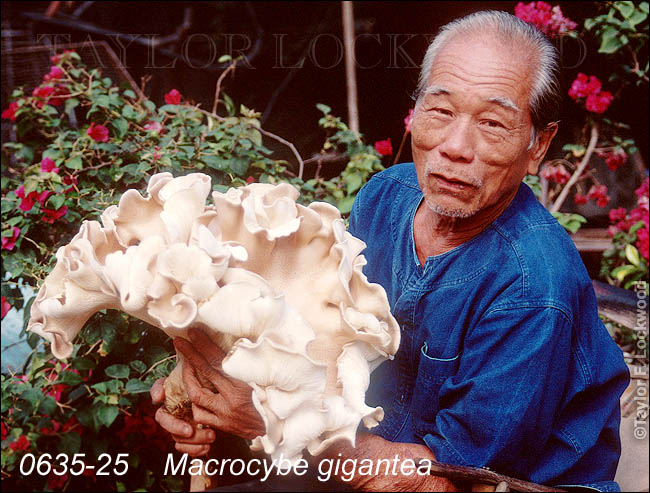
x,y
121,126
621,272
138,366
239,165
324,108
135,386
74,163
129,94
13,264
117,371
56,201
353,182
84,364
611,41
105,414
224,59
47,406
70,443
589,23
625,8
632,255
69,378
102,101
33,396
70,104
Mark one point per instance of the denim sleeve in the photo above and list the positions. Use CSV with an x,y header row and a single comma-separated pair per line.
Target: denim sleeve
x,y
507,390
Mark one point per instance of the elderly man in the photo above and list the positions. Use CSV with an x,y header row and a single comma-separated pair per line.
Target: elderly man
x,y
503,360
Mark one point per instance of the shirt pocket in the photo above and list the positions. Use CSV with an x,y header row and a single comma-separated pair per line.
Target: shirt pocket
x,y
432,374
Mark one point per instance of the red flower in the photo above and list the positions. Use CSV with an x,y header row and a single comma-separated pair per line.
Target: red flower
x,y
543,17
56,482
599,102
580,199
153,127
558,174
43,92
408,121
643,189
99,133
6,306
47,166
599,194
584,86
57,58
26,202
384,147
51,215
173,97
55,74
10,113
8,242
21,444
2,425
250,180
617,214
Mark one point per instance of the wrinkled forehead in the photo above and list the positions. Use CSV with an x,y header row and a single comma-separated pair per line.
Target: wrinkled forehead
x,y
485,63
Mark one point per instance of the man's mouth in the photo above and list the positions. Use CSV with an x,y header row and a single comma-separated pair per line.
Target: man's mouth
x,y
450,183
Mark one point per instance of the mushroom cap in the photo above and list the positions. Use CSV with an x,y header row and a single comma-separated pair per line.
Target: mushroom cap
x,y
277,285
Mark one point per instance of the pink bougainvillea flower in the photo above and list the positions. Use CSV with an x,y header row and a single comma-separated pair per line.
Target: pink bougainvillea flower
x,y
642,191
250,180
5,432
99,133
617,214
43,92
8,242
21,444
10,113
549,20
408,121
599,102
583,86
50,215
580,199
26,202
599,194
153,126
558,174
173,97
57,58
384,147
615,159
6,306
55,74
48,166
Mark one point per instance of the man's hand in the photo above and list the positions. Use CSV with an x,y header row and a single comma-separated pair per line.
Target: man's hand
x,y
373,447
231,408
190,440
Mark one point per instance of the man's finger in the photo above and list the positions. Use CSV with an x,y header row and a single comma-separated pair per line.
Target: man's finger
x,y
192,450
173,425
204,436
201,366
206,417
157,391
208,349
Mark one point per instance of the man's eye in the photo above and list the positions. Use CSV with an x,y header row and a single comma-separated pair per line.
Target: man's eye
x,y
493,124
441,111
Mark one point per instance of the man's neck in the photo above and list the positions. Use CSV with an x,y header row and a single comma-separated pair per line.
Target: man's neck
x,y
435,234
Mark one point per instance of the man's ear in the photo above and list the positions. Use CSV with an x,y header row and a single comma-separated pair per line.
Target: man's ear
x,y
542,143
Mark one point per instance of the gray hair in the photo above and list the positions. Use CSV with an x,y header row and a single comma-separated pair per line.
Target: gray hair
x,y
544,104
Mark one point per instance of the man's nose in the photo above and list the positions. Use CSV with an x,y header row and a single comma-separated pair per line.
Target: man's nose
x,y
457,142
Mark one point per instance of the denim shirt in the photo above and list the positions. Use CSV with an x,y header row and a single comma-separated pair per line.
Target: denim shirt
x,y
503,361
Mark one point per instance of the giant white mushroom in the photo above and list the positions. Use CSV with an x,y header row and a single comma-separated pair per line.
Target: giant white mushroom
x,y
277,285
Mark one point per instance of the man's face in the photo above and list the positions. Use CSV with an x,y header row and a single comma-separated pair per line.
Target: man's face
x,y
471,130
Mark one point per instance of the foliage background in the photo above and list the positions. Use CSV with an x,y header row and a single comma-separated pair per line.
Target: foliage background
x,y
81,141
